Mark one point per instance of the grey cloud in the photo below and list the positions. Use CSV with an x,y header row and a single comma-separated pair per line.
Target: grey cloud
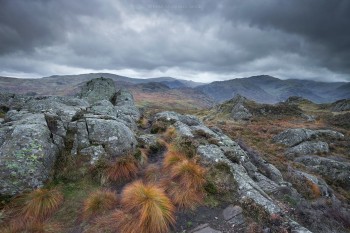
x,y
228,38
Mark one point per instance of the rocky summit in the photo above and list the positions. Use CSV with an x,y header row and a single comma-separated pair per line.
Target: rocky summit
x,y
37,131
240,166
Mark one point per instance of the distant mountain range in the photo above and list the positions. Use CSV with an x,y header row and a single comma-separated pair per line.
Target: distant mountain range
x,y
267,89
263,88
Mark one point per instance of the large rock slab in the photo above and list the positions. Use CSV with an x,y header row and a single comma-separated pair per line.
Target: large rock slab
x,y
335,171
116,138
98,89
309,147
293,137
27,155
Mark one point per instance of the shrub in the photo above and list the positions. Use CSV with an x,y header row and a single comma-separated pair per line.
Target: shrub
x,y
99,202
124,168
149,207
40,204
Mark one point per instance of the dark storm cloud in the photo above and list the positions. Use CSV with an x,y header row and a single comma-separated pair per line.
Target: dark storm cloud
x,y
203,40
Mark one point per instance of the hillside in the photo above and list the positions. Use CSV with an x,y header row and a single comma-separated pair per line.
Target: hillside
x,y
267,89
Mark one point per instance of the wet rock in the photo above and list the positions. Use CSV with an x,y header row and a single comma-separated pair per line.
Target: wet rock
x,y
309,147
98,89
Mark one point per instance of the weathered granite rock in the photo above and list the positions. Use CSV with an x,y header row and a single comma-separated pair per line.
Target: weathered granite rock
x,y
94,153
27,154
292,137
239,112
204,228
335,171
234,215
116,138
98,89
309,147
341,105
173,117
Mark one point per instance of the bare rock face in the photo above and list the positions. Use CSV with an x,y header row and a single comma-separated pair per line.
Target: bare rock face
x,y
35,131
335,171
293,137
98,89
341,105
239,111
27,154
306,148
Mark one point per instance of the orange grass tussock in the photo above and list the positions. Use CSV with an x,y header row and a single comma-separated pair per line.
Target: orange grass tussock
x,y
40,204
149,207
124,168
99,202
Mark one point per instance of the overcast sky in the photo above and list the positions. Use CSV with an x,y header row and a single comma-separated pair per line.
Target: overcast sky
x,y
201,40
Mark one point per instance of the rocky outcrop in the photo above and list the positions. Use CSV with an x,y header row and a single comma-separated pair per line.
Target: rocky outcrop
x,y
27,154
35,131
250,182
341,105
239,111
292,137
306,148
338,172
98,89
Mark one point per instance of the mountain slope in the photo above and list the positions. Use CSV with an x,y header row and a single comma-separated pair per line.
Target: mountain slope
x,y
267,89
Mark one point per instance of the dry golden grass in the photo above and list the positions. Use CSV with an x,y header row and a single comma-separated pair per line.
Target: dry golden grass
x,y
171,158
39,204
169,134
149,207
188,174
117,221
152,173
124,168
184,198
99,202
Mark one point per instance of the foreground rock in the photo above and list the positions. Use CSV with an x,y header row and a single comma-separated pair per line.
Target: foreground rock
x,y
27,154
35,131
220,150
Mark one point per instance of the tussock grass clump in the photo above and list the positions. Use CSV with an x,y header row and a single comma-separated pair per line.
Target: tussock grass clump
x,y
39,204
152,173
99,202
188,174
124,168
169,134
186,180
149,207
171,158
184,198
